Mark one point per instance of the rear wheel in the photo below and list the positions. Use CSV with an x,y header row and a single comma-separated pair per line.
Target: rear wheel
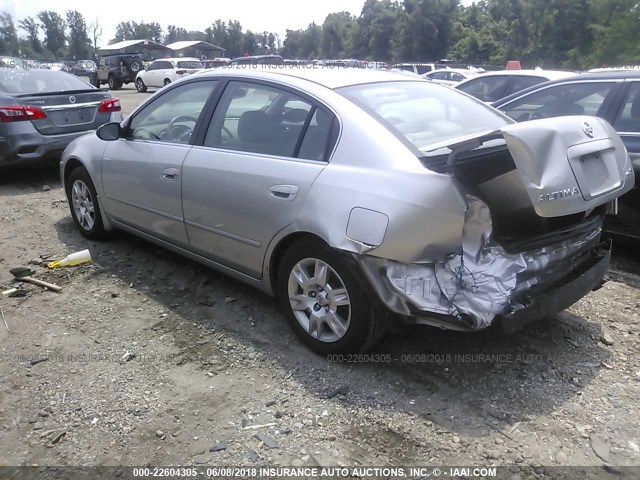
x,y
324,298
166,82
140,86
94,80
83,202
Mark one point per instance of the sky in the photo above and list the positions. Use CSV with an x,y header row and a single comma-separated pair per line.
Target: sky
x,y
256,15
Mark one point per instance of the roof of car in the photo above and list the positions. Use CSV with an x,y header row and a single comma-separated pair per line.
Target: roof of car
x,y
464,71
584,77
330,77
551,74
177,59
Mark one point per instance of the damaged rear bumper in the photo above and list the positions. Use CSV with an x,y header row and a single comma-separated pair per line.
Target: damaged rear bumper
x,y
486,283
568,291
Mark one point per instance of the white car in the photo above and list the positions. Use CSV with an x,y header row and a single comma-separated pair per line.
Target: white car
x,y
493,86
452,76
163,71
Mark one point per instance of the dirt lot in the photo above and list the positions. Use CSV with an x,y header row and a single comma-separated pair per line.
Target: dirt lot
x,y
149,359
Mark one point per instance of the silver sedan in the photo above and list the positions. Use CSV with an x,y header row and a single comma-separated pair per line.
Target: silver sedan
x,y
359,198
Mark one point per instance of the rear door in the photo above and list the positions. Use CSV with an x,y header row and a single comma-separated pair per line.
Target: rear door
x,y
264,148
142,173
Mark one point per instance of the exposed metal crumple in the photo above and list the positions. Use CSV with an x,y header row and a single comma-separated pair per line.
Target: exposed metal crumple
x,y
480,282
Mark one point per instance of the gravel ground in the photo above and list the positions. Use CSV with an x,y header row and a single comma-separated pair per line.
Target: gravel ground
x,y
146,358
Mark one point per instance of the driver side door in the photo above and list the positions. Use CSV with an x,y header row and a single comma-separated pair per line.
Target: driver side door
x,y
142,172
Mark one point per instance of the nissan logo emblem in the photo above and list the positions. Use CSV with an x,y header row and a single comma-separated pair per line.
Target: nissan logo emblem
x,y
588,129
72,99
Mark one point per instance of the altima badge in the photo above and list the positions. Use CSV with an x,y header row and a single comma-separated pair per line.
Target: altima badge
x,y
588,129
566,192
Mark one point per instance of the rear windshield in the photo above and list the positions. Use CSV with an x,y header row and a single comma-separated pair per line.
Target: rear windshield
x,y
39,81
424,113
190,64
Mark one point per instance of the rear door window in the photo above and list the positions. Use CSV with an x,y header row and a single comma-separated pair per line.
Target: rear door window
x,y
628,119
568,99
259,119
520,82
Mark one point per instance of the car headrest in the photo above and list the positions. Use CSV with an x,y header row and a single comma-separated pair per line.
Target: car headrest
x,y
255,126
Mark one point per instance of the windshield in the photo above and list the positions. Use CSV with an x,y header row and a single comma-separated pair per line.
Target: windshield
x,y
39,81
190,64
424,113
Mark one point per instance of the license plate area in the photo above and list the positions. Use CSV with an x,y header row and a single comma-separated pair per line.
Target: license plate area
x,y
595,168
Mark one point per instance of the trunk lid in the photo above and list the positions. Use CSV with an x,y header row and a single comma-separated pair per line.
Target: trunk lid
x,y
68,111
569,164
541,175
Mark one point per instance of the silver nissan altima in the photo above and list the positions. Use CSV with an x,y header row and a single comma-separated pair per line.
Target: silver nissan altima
x,y
359,198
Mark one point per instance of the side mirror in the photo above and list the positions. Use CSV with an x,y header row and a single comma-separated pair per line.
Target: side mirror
x,y
109,131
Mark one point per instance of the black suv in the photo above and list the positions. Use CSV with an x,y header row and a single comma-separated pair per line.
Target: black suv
x,y
117,69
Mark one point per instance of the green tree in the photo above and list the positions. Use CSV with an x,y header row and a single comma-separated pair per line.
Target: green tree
x,y
32,27
53,26
8,35
79,43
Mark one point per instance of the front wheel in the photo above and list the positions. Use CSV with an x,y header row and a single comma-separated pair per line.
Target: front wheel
x,y
83,202
324,299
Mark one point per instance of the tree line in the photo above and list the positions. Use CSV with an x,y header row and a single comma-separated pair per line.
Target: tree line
x,y
546,33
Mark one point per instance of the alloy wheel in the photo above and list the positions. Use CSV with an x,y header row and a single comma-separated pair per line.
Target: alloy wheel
x,y
319,300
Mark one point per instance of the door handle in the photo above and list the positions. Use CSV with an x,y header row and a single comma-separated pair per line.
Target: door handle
x,y
284,192
170,174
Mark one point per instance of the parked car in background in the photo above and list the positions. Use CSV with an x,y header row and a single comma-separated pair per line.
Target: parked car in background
x,y
358,197
83,68
41,111
418,68
452,76
257,60
55,66
612,95
116,70
492,86
215,62
166,70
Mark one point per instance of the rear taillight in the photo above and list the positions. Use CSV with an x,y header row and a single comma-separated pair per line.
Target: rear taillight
x,y
19,113
110,105
181,72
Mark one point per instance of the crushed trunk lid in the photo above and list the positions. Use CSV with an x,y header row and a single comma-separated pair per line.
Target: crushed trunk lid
x,y
565,166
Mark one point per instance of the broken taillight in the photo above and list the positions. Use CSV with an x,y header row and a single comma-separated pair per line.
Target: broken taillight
x,y
19,113
110,105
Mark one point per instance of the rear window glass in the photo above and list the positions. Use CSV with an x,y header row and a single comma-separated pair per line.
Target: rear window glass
x,y
190,64
424,113
39,81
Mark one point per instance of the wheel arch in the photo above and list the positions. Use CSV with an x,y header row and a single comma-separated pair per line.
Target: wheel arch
x,y
279,250
70,165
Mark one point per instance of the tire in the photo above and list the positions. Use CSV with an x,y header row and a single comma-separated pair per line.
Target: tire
x,y
166,82
327,324
114,84
94,80
140,86
134,65
83,203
